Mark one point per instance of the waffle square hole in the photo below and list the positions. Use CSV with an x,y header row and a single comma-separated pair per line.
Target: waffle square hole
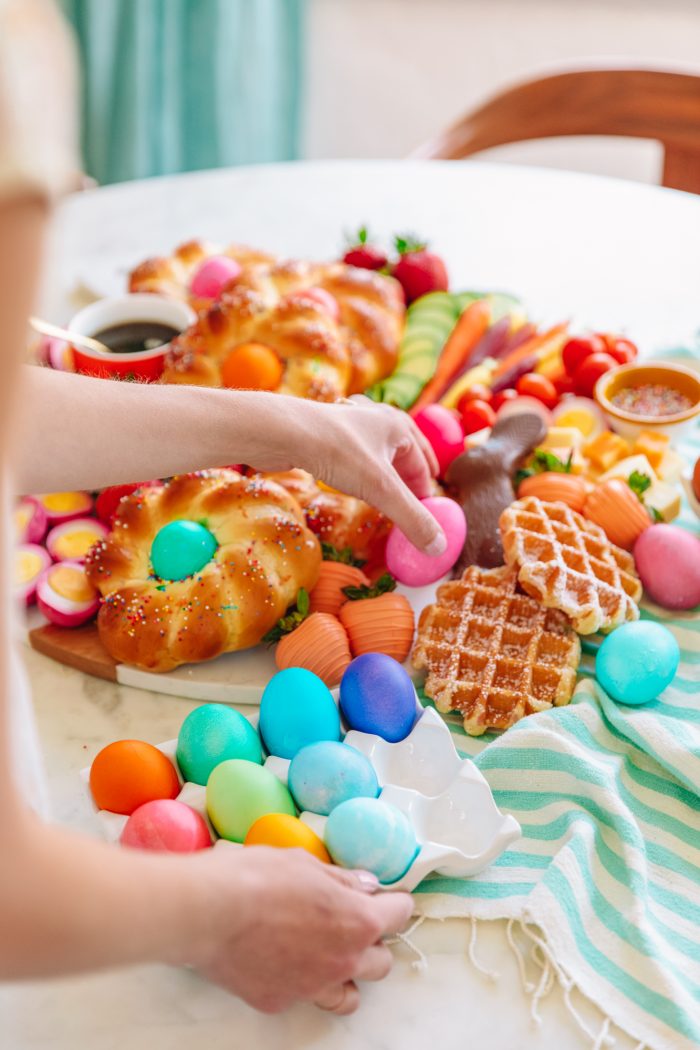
x,y
605,573
479,636
595,548
486,602
515,643
520,611
553,649
574,560
532,523
545,682
472,666
565,535
509,675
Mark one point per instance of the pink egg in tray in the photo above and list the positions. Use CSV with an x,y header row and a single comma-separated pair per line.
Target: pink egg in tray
x,y
71,540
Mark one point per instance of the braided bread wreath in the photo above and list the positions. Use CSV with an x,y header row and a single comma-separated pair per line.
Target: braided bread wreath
x,y
329,347
264,554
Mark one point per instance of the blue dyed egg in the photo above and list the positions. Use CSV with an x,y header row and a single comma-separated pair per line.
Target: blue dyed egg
x,y
297,709
325,774
180,549
637,661
211,734
377,696
370,834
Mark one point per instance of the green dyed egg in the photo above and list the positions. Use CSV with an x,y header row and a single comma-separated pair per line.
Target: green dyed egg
x,y
212,734
180,549
239,793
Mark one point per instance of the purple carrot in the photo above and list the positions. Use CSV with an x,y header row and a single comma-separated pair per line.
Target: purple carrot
x,y
513,374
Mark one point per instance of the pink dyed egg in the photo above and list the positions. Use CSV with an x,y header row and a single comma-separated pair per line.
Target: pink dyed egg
x,y
410,565
166,825
212,276
31,521
668,562
442,428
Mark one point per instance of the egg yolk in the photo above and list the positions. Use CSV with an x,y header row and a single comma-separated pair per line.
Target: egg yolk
x,y
578,418
21,519
27,566
75,544
59,502
71,583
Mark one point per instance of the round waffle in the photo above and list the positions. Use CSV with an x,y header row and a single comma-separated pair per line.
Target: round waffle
x,y
493,653
568,563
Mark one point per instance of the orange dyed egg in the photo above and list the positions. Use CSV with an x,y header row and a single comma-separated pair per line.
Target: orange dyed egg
x,y
552,487
327,596
614,507
380,625
319,644
252,366
286,832
128,773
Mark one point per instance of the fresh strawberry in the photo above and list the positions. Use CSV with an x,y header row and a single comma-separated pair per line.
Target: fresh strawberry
x,y
363,254
418,271
109,499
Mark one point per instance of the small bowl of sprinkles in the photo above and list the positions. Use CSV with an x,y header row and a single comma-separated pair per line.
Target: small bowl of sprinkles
x,y
650,396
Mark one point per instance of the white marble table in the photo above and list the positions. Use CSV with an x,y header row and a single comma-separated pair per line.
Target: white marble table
x,y
614,254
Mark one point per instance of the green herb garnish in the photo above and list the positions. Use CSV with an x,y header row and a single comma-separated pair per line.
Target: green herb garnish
x,y
543,461
639,483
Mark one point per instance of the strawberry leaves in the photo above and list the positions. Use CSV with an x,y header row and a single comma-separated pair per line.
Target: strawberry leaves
x,y
345,555
291,620
383,585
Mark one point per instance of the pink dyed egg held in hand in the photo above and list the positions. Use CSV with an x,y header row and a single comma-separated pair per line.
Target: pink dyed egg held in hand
x,y
212,276
668,562
166,825
409,564
442,428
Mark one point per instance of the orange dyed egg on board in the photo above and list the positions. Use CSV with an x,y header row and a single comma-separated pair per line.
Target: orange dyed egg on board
x,y
327,596
552,487
320,644
252,366
128,773
614,506
286,832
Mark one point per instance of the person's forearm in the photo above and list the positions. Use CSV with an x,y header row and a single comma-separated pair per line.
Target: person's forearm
x,y
69,904
80,432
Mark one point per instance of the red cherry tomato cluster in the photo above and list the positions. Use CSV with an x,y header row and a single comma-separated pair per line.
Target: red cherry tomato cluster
x,y
586,358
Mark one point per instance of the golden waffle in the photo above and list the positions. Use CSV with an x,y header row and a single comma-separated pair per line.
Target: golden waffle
x,y
568,563
493,653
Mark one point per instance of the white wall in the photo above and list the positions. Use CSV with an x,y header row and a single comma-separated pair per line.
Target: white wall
x,y
383,75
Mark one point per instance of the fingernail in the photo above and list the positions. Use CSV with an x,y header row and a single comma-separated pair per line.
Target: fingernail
x,y
437,546
368,882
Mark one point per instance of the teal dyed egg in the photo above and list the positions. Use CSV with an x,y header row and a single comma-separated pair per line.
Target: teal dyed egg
x,y
297,709
180,549
637,661
323,775
370,834
239,793
211,734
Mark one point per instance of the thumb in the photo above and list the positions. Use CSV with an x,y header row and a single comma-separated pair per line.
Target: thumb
x,y
363,881
408,514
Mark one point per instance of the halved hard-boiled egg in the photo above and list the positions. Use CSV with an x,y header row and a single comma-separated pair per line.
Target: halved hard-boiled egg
x,y
31,521
73,539
62,506
30,561
65,595
582,413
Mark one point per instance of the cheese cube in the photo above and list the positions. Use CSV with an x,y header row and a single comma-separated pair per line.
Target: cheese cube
x,y
605,450
651,445
664,498
562,437
629,465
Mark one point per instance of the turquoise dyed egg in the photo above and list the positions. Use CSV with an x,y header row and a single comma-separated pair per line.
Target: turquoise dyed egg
x,y
323,775
180,549
239,793
637,661
211,734
377,696
370,834
297,709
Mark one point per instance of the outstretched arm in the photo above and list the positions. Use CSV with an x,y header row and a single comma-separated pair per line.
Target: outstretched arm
x,y
80,432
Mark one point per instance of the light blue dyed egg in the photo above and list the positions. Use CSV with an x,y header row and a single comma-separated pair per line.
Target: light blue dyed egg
x,y
180,549
297,709
370,834
637,661
325,774
211,734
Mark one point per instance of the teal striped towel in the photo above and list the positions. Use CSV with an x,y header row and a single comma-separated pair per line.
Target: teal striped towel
x,y
605,880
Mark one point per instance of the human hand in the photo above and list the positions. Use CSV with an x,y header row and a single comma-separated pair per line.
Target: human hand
x,y
368,450
284,928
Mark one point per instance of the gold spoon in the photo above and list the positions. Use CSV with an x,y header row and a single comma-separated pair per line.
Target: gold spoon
x,y
70,337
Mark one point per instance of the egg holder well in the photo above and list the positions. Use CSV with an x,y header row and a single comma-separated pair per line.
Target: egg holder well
x,y
457,824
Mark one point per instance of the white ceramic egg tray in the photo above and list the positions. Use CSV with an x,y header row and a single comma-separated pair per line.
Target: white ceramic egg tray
x,y
457,824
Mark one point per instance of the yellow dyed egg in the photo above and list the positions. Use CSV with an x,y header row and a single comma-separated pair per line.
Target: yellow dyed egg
x,y
286,832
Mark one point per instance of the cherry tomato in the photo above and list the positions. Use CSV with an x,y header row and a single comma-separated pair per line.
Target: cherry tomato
x,y
623,350
589,372
534,385
478,392
563,384
502,396
579,348
477,415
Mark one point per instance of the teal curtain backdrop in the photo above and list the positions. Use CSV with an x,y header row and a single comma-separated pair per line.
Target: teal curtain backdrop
x,y
178,85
